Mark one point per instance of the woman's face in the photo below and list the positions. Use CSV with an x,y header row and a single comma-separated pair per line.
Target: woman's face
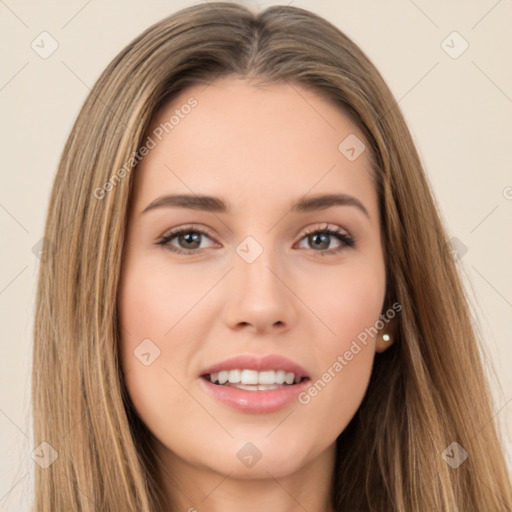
x,y
253,279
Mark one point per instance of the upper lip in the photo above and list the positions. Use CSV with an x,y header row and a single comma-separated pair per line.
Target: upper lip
x,y
250,362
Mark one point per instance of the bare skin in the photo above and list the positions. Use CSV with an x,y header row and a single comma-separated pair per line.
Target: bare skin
x,y
260,149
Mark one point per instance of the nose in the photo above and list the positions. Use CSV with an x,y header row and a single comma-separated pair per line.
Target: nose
x,y
260,296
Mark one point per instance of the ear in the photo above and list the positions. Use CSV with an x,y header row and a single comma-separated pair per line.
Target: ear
x,y
386,336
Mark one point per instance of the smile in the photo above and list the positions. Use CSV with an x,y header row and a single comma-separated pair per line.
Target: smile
x,y
253,380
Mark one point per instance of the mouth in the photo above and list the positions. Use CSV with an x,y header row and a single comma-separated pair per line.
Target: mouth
x,y
255,384
253,380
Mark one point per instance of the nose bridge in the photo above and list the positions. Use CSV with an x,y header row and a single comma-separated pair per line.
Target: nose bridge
x,y
257,263
258,295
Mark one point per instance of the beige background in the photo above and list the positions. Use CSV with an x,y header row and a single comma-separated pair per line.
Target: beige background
x,y
459,111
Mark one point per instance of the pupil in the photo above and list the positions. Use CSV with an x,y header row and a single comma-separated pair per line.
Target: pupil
x,y
320,235
191,238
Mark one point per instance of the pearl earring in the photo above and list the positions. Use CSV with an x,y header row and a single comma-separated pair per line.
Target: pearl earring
x,y
386,338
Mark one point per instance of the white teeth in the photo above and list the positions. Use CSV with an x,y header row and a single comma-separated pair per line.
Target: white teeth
x,y
256,388
280,374
254,380
223,377
267,377
289,378
249,377
235,376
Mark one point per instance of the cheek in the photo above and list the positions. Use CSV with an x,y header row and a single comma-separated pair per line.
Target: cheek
x,y
145,315
159,332
152,300
349,303
356,302
149,307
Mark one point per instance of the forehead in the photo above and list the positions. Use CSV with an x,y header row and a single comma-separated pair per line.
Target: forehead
x,y
250,142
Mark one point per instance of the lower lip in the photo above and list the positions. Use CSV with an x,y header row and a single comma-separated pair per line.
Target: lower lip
x,y
267,401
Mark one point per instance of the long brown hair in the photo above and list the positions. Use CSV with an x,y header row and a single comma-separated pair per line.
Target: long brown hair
x,y
427,391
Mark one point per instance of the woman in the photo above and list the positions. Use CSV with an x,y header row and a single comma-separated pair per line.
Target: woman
x,y
251,301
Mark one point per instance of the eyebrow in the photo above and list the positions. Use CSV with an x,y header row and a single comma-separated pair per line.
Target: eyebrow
x,y
217,205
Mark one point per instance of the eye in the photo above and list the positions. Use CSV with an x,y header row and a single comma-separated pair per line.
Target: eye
x,y
188,236
188,239
321,239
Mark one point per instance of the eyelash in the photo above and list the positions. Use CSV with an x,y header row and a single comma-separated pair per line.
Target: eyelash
x,y
345,239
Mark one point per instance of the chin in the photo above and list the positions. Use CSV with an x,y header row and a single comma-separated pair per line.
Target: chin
x,y
261,458
276,466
